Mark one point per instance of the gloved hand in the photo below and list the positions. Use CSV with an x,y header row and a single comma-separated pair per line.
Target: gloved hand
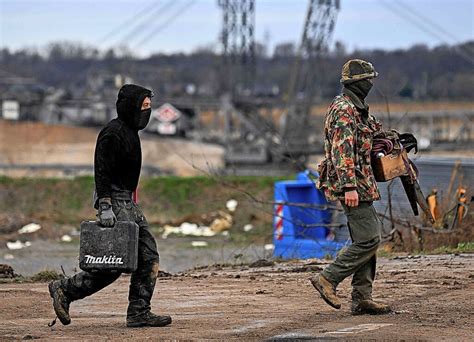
x,y
409,142
106,215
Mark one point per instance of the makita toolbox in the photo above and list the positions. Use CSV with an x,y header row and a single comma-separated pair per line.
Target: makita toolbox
x,y
109,249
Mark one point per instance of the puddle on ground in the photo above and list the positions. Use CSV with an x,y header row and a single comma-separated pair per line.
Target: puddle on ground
x,y
359,328
254,325
174,258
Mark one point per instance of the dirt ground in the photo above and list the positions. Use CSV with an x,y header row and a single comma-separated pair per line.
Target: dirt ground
x,y
432,296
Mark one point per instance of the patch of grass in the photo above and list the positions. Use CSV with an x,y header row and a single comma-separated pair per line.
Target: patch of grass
x,y
462,247
40,277
176,189
466,247
16,280
163,199
46,276
383,253
328,256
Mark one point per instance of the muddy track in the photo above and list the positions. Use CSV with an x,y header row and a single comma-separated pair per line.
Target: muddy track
x,y
432,295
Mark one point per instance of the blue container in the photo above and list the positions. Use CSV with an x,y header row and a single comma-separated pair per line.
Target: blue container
x,y
299,230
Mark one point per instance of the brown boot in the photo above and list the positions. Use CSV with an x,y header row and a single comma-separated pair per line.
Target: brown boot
x,y
327,290
369,307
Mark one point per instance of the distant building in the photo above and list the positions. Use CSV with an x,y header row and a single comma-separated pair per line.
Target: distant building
x,y
10,110
169,120
19,96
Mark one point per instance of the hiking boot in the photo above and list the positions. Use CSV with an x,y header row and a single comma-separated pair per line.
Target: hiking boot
x,y
327,290
60,302
369,307
148,319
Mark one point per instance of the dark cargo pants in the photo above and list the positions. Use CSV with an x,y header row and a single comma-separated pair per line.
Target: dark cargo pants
x,y
142,281
359,258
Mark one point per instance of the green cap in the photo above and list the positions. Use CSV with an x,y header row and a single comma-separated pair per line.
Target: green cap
x,y
356,70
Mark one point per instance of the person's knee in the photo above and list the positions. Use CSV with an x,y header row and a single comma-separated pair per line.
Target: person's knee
x,y
107,276
150,264
374,243
150,269
151,256
371,244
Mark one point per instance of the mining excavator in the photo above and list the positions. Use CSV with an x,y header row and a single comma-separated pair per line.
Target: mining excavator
x,y
254,143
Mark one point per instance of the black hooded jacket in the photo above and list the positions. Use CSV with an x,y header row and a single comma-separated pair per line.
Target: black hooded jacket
x,y
118,153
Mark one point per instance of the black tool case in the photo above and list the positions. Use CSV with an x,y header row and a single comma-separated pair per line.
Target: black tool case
x,y
109,249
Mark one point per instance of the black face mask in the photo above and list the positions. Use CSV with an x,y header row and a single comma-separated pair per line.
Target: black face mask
x,y
360,88
141,119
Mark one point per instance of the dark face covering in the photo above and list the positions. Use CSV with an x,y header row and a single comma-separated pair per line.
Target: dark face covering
x,y
360,88
142,119
129,104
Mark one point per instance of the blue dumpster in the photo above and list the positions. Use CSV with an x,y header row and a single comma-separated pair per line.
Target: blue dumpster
x,y
299,220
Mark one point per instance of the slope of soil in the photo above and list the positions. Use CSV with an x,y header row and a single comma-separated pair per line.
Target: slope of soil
x,y
35,143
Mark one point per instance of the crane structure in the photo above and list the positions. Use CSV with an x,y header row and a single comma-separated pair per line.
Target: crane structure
x,y
258,141
317,32
238,45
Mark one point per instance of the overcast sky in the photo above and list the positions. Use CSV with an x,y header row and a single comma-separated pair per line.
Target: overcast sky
x,y
184,25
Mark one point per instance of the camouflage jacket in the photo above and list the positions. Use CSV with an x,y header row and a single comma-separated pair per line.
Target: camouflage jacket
x,y
348,135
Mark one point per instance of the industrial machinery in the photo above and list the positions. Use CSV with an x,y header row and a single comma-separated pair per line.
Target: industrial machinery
x,y
252,141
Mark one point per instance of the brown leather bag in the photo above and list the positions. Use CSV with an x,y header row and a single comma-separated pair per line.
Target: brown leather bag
x,y
390,166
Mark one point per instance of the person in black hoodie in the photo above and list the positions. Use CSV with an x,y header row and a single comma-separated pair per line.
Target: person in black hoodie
x,y
117,164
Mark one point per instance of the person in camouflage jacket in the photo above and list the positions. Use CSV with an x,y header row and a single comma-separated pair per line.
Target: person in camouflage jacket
x,y
346,175
348,134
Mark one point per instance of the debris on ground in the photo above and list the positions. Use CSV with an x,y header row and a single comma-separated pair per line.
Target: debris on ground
x,y
30,337
222,223
18,244
164,274
231,205
269,247
199,244
262,263
186,229
209,224
6,271
248,227
29,228
66,238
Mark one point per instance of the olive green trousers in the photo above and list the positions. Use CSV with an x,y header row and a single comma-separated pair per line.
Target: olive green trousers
x,y
359,259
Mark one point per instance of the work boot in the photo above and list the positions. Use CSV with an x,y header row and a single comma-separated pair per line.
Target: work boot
x,y
148,319
327,290
369,307
60,302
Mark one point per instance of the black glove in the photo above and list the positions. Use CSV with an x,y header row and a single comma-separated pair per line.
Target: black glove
x,y
409,142
106,214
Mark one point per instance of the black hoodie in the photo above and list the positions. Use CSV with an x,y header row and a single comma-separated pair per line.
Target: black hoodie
x,y
118,153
